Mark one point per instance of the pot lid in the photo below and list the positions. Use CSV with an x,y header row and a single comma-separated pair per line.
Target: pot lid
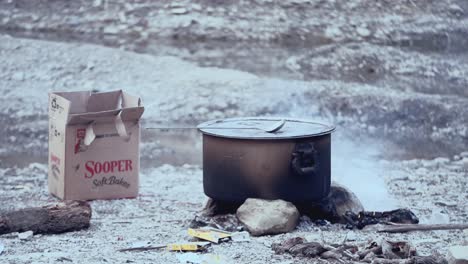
x,y
257,127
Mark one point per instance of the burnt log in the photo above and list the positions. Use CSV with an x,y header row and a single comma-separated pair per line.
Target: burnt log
x,y
217,207
226,222
364,218
298,246
307,249
51,219
286,245
375,250
397,250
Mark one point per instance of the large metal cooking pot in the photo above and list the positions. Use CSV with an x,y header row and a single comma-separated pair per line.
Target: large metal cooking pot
x,y
241,160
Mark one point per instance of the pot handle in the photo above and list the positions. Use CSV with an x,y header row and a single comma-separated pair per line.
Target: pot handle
x,y
304,159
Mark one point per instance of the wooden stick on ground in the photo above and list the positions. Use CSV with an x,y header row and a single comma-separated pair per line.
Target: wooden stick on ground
x,y
141,248
52,219
417,227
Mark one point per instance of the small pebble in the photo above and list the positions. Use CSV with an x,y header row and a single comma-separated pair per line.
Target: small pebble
x,y
351,236
97,3
179,11
456,9
363,32
18,76
25,235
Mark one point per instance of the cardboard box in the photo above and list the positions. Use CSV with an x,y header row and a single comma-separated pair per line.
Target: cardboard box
x,y
94,145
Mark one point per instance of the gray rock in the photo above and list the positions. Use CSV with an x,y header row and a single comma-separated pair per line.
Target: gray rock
x,y
18,76
26,235
464,162
333,32
363,31
202,111
458,255
265,217
179,10
292,65
351,236
441,160
97,3
197,7
111,30
456,9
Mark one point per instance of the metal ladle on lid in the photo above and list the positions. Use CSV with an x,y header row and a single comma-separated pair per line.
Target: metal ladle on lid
x,y
273,128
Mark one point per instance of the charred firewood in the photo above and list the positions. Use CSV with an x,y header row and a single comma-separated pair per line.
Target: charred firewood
x,y
364,218
373,248
384,252
308,249
331,255
387,250
52,219
286,245
227,222
397,250
215,207
347,252
298,246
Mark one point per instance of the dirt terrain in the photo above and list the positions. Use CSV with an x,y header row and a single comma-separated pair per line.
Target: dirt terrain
x,y
392,75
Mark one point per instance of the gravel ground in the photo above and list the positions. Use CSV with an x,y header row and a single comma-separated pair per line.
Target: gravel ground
x,y
392,75
171,196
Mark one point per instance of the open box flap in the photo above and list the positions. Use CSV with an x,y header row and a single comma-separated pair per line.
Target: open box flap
x,y
77,100
127,114
132,113
87,107
99,102
94,117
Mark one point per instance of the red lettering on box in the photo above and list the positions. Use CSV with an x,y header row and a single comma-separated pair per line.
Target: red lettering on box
x,y
128,165
95,167
88,167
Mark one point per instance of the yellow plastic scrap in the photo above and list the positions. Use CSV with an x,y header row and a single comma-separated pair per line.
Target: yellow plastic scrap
x,y
213,235
187,246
